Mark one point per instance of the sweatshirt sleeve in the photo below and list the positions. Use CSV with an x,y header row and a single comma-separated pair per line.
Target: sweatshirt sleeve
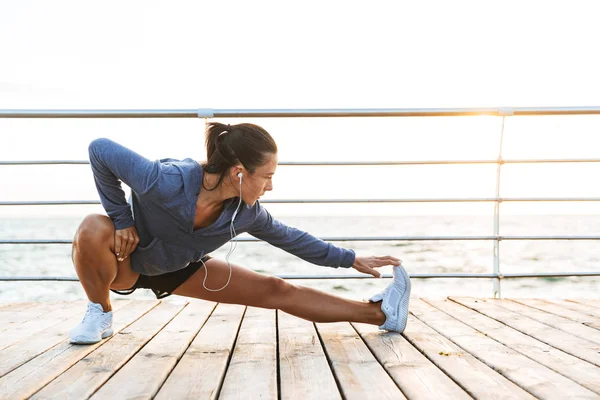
x,y
299,243
112,164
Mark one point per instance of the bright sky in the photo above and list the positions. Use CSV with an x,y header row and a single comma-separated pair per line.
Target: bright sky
x,y
312,54
270,54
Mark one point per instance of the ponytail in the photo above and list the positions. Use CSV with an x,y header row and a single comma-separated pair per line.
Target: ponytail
x,y
230,145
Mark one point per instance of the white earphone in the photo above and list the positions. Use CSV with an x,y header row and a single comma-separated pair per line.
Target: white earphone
x,y
232,246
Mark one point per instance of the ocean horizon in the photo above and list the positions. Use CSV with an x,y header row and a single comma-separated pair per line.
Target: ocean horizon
x,y
429,256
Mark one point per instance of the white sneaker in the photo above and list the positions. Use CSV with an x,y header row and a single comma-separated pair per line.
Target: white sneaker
x,y
395,301
95,326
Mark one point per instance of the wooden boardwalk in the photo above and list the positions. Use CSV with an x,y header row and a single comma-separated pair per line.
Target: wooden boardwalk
x,y
457,348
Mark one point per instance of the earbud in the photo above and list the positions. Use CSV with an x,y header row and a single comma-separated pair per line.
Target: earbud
x,y
239,175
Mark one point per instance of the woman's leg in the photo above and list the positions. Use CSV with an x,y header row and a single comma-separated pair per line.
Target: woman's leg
x,y
251,288
95,261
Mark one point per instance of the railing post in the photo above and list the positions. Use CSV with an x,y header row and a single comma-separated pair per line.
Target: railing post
x,y
497,281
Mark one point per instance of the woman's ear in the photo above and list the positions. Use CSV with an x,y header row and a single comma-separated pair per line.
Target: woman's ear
x,y
238,172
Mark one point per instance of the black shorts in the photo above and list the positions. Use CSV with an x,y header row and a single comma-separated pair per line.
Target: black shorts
x,y
164,285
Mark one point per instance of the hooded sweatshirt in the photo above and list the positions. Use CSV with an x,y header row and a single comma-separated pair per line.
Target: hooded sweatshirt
x,y
162,207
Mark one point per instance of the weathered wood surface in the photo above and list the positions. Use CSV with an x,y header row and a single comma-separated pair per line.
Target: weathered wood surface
x,y
457,348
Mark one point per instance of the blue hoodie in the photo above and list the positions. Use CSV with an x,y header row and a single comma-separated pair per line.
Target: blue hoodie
x,y
162,207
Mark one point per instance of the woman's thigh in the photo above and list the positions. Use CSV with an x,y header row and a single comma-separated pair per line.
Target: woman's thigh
x,y
126,277
246,287
94,244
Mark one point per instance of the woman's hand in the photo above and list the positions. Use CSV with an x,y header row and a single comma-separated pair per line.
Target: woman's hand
x,y
126,240
367,264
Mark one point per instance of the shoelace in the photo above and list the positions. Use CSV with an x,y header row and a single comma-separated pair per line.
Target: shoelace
x,y
89,312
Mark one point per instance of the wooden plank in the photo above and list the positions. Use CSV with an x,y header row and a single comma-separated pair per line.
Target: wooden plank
x,y
25,305
579,371
303,367
580,308
31,346
530,375
417,377
38,323
201,370
30,377
594,303
560,310
359,374
21,312
88,374
252,372
571,327
13,317
573,345
144,374
591,309
476,378
20,305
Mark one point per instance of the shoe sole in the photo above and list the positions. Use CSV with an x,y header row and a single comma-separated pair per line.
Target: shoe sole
x,y
104,335
404,295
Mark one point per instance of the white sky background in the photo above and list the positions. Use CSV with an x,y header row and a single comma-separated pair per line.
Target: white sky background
x,y
319,54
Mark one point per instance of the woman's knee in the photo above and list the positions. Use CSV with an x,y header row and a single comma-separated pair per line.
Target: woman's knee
x,y
278,290
94,230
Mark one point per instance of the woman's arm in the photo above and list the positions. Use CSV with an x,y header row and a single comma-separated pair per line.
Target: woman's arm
x,y
299,243
112,164
312,249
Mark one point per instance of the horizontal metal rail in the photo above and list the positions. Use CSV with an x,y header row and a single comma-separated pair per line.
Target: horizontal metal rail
x,y
301,113
290,113
325,201
358,239
356,276
351,163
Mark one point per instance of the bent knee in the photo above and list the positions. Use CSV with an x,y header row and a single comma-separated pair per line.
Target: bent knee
x,y
94,229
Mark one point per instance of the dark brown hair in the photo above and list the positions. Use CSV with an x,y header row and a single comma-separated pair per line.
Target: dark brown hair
x,y
229,145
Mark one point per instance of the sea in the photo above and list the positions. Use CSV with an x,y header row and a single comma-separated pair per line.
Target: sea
x,y
429,256
342,139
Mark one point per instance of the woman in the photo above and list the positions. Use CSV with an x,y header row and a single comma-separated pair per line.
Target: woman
x,y
180,211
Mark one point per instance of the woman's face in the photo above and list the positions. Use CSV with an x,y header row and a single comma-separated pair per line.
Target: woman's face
x,y
261,181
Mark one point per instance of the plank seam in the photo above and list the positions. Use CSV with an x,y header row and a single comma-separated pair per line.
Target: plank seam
x,y
329,362
516,350
184,351
432,361
493,368
503,323
551,327
140,349
47,349
277,365
233,346
103,343
568,311
378,360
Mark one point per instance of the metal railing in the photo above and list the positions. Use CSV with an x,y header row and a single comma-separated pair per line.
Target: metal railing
x,y
303,113
502,112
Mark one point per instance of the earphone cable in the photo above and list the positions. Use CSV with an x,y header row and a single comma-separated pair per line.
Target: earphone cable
x,y
232,247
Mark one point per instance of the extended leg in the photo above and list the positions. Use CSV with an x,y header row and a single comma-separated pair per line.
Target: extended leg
x,y
258,290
